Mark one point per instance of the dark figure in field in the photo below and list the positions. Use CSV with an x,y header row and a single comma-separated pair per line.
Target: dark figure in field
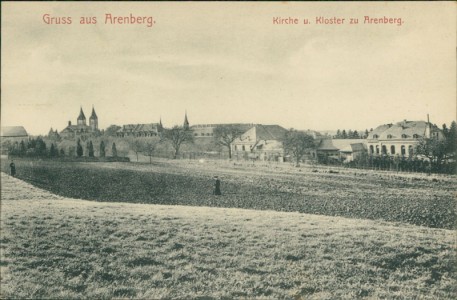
x,y
217,186
13,168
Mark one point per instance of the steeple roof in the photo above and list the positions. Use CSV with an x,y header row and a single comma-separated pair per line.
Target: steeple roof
x,y
81,115
93,115
186,121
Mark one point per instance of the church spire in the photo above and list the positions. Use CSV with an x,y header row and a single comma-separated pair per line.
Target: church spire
x,y
186,121
160,126
82,118
81,115
93,115
93,120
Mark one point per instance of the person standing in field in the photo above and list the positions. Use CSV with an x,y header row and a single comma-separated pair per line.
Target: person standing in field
x,y
12,169
217,186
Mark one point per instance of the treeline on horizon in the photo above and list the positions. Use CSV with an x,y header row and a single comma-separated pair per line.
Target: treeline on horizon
x,y
439,155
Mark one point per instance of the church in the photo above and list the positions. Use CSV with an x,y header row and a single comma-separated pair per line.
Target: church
x,y
81,129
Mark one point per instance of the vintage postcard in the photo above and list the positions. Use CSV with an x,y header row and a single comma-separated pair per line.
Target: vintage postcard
x,y
228,150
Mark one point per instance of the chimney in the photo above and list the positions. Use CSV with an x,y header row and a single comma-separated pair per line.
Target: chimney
x,y
427,128
69,123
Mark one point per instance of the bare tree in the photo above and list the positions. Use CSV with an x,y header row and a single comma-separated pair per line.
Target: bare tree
x,y
226,134
177,136
149,148
137,147
298,144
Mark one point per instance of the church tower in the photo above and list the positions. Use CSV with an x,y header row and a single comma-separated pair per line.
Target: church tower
x,y
93,120
81,118
160,127
186,122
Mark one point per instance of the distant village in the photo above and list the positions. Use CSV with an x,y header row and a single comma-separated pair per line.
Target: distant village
x,y
254,141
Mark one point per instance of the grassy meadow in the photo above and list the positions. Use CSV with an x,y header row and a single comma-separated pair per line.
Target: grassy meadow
x,y
54,247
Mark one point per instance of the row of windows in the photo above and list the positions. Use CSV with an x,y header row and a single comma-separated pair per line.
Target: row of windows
x,y
403,136
137,134
204,134
392,149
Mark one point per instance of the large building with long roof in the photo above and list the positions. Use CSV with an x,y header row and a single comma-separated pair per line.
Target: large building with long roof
x,y
400,138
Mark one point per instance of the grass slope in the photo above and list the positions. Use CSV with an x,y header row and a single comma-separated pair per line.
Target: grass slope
x,y
52,247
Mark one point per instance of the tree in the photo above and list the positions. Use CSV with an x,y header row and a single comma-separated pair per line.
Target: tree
x,y
111,130
445,130
79,148
22,148
177,136
226,134
344,135
62,152
40,147
102,149
356,135
297,144
149,149
366,134
91,149
114,150
53,151
350,134
433,149
137,147
338,134
451,140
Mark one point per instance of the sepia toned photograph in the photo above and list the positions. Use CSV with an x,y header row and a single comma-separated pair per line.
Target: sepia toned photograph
x,y
228,150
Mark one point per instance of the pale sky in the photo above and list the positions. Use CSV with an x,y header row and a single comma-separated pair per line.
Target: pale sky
x,y
228,63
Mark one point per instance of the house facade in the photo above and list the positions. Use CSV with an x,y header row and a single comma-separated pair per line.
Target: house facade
x,y
340,149
262,142
400,138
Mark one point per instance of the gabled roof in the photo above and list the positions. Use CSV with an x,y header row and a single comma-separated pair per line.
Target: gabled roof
x,y
405,128
269,132
242,126
339,144
13,131
358,147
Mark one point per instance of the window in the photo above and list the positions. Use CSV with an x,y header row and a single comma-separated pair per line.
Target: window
x,y
384,149
389,136
415,136
377,149
375,136
243,148
411,150
392,149
236,148
403,150
403,136
371,149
